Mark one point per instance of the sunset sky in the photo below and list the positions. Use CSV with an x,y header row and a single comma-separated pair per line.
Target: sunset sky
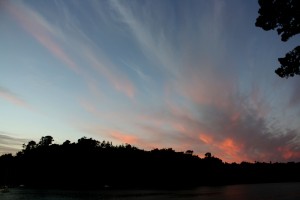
x,y
156,74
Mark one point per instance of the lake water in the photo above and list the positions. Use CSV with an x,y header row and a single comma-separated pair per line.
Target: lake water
x,y
270,191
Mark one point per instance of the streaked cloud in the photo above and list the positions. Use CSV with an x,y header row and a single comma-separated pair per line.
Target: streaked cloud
x,y
12,98
203,107
155,46
105,68
59,44
186,75
9,144
36,26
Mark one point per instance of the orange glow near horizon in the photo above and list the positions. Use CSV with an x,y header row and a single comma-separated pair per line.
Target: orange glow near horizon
x,y
232,149
124,138
287,153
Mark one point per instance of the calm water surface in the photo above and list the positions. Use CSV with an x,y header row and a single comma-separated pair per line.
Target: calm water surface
x,y
271,191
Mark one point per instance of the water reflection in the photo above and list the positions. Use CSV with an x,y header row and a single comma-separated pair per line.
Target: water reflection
x,y
282,191
287,191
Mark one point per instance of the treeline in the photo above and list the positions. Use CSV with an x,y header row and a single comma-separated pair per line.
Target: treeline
x,y
90,164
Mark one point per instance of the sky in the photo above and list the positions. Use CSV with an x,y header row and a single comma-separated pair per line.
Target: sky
x,y
187,75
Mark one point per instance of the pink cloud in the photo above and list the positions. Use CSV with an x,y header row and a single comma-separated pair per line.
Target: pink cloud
x,y
206,138
44,33
39,29
118,137
238,126
232,149
124,138
288,153
106,69
239,136
89,107
12,98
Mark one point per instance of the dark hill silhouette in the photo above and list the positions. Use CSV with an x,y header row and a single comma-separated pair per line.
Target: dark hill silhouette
x,y
90,164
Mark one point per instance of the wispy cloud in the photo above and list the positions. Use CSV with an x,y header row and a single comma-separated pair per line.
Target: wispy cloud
x,y
9,144
213,114
154,46
295,95
42,31
234,132
105,68
231,128
196,96
56,40
12,98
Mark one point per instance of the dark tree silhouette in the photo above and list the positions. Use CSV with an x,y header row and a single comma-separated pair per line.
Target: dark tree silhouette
x,y
46,140
189,152
208,155
67,142
88,143
29,146
90,164
284,17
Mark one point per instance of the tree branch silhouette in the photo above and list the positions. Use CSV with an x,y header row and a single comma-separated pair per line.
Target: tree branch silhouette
x,y
284,17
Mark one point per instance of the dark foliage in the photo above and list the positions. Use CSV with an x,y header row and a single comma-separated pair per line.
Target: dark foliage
x,y
284,17
290,64
90,164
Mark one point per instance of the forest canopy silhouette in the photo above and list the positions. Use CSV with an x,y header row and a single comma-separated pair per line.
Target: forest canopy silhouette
x,y
284,17
90,164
